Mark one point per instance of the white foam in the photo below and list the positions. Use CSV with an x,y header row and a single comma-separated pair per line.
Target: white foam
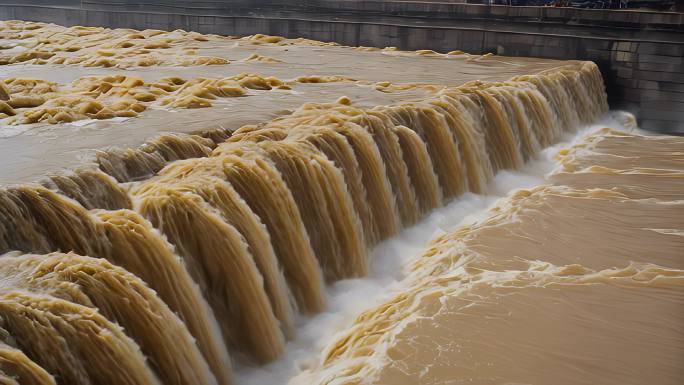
x,y
85,122
348,298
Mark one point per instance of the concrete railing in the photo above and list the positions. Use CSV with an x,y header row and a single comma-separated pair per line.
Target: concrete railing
x,y
641,54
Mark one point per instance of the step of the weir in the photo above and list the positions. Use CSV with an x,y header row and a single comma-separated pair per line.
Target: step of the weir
x,y
634,49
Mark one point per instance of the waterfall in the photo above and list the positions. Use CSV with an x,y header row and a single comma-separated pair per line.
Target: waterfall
x,y
169,257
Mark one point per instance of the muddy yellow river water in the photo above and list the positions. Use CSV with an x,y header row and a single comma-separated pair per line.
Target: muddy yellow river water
x,y
572,283
174,205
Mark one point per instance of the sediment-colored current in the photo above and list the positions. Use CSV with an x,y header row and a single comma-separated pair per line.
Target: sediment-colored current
x,y
574,282
218,187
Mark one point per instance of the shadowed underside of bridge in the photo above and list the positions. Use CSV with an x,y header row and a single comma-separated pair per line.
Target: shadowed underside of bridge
x,y
641,54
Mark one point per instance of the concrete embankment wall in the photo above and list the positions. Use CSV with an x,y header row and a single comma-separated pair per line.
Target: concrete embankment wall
x,y
641,54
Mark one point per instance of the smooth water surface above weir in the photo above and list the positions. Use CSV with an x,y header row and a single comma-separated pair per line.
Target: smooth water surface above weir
x,y
179,208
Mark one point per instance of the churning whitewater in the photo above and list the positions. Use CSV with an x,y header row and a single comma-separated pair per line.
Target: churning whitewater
x,y
387,262
173,261
486,300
